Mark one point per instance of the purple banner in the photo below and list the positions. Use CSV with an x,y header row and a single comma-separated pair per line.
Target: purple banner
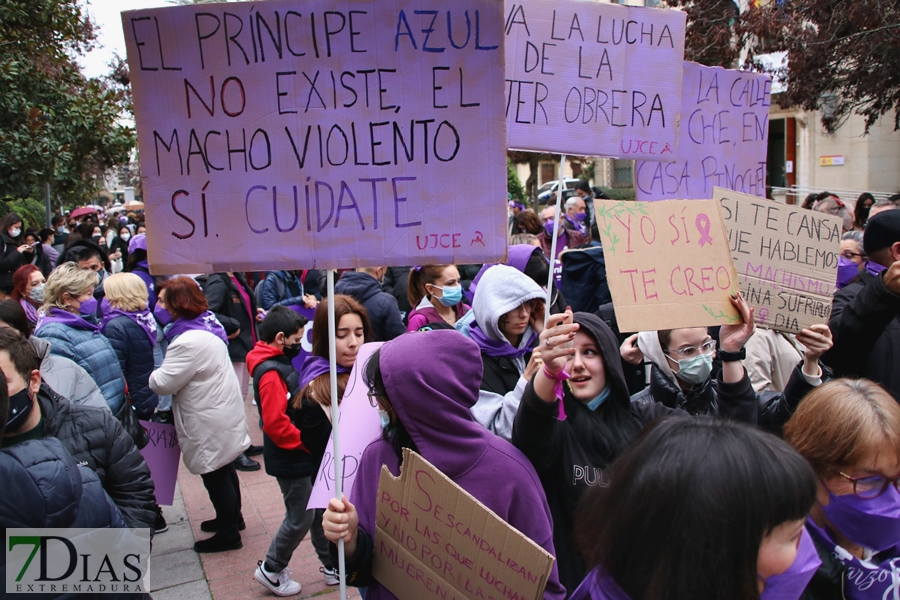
x,y
723,138
162,455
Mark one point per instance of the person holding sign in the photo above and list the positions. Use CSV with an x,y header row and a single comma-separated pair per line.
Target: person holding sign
x,y
426,409
572,434
865,315
436,295
509,313
849,431
739,498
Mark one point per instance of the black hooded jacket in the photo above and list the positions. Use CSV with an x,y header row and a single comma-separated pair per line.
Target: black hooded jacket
x,y
571,455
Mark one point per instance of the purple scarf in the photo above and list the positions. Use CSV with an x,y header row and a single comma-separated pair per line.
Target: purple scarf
x,y
314,366
864,582
497,348
598,585
874,268
30,310
141,318
58,315
203,322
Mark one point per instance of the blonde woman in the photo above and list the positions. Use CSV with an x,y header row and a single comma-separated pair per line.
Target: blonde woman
x,y
67,321
131,329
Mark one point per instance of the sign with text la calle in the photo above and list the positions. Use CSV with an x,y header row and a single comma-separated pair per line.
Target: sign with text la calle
x,y
320,134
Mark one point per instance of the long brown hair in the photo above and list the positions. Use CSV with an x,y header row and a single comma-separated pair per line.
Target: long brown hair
x,y
418,277
319,389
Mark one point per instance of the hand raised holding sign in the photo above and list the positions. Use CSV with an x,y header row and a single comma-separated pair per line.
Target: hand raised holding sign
x,y
817,340
733,337
341,522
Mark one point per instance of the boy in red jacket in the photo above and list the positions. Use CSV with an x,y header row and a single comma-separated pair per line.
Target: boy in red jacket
x,y
275,383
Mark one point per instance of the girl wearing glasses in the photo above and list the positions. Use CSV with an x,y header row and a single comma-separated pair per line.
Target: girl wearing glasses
x,y
849,431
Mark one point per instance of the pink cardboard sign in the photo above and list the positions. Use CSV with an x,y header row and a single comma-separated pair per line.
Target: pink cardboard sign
x,y
359,426
162,455
593,78
723,140
320,134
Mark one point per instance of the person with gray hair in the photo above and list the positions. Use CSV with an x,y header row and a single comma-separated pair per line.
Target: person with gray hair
x,y
881,206
852,256
832,205
575,222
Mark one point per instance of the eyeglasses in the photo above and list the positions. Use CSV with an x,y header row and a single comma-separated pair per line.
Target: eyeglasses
x,y
850,255
692,351
872,486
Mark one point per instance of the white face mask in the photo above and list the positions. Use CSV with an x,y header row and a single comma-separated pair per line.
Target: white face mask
x,y
125,237
14,232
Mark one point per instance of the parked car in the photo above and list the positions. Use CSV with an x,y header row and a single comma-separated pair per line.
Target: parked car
x,y
547,192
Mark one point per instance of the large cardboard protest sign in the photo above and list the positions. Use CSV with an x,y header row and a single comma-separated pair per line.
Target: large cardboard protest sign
x,y
434,540
162,454
593,78
321,133
723,139
667,263
786,258
360,425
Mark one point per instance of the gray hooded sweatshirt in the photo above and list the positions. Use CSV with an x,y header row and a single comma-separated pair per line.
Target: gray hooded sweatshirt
x,y
501,290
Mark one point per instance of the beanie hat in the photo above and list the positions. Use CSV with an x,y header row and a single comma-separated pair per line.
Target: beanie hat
x,y
882,231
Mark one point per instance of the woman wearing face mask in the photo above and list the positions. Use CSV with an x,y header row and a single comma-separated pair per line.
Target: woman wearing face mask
x,y
427,410
131,329
700,508
852,256
314,400
28,290
37,257
435,294
14,252
509,315
208,408
67,320
574,419
118,248
849,431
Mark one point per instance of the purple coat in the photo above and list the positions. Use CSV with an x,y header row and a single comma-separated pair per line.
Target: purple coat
x,y
433,404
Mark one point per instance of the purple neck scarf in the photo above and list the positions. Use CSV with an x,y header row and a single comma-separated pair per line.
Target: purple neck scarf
x,y
58,315
875,579
874,268
314,366
30,310
203,322
499,348
598,585
577,225
142,318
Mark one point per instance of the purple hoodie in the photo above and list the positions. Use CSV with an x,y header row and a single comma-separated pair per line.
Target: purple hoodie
x,y
518,259
433,404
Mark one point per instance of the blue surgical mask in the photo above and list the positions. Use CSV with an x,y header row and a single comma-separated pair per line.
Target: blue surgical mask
x,y
600,399
385,418
695,370
88,308
451,295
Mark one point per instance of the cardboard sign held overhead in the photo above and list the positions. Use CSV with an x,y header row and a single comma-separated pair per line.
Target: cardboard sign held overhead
x,y
359,427
320,133
786,258
434,540
667,263
592,78
723,138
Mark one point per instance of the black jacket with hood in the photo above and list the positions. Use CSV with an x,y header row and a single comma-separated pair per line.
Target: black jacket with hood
x,y
226,301
571,455
97,440
865,322
381,307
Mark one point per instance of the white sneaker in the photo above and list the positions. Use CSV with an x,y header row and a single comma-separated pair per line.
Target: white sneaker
x,y
279,584
331,575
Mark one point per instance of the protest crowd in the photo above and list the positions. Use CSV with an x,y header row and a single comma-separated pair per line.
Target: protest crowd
x,y
721,462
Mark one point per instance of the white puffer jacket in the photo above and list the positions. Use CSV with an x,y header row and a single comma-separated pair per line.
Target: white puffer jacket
x,y
206,401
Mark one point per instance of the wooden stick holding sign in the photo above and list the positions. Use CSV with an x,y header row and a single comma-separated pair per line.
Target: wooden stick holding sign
x,y
786,259
667,263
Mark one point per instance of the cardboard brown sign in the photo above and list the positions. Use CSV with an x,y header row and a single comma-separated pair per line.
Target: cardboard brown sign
x,y
667,263
434,540
786,258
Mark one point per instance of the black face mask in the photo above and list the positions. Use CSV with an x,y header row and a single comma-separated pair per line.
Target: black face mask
x,y
20,406
291,351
